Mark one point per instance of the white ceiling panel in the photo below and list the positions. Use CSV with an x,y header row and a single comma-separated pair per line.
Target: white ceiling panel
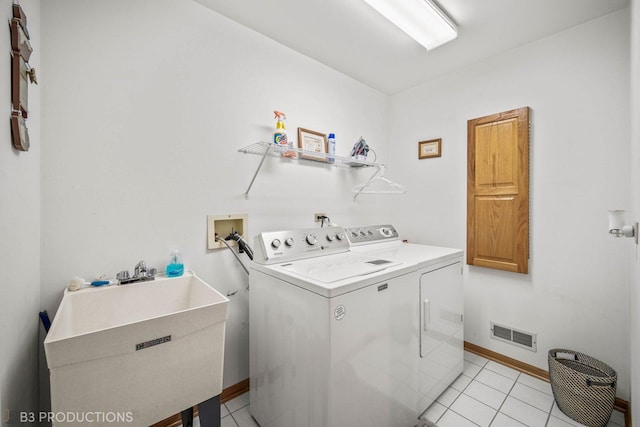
x,y
351,37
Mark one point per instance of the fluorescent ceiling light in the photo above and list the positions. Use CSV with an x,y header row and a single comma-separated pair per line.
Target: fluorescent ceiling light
x,y
420,19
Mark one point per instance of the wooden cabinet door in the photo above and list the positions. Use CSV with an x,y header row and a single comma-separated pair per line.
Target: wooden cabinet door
x,y
498,191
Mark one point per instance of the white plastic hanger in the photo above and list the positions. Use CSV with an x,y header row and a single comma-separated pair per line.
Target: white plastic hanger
x,y
392,187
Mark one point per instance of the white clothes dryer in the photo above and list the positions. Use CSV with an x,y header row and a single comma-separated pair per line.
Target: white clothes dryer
x,y
441,350
334,333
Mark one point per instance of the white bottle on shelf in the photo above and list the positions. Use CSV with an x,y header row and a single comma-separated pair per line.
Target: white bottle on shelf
x,y
332,147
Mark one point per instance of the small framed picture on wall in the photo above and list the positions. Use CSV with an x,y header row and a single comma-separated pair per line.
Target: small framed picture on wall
x,y
430,148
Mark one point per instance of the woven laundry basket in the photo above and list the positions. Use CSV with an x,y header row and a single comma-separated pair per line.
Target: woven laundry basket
x,y
584,388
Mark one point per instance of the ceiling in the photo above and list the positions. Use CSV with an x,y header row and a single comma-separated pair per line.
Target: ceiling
x,y
350,37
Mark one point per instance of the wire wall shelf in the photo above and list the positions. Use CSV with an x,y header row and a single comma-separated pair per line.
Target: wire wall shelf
x,y
267,149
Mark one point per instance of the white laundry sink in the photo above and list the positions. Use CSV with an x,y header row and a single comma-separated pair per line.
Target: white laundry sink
x,y
137,353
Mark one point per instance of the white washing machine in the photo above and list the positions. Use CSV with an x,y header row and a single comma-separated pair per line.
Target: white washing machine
x,y
335,334
441,302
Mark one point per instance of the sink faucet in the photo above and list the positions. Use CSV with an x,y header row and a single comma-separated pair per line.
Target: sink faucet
x,y
140,274
140,269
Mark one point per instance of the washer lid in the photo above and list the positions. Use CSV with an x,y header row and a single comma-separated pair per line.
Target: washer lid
x,y
332,268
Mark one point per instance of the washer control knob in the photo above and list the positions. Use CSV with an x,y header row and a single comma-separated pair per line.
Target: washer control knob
x,y
330,238
354,234
386,232
340,236
311,239
362,233
289,241
275,243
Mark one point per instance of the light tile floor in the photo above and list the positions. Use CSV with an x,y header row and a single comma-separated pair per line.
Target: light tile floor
x,y
234,413
490,394
486,394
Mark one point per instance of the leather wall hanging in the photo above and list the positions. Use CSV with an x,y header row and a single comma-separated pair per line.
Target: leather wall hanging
x,y
21,75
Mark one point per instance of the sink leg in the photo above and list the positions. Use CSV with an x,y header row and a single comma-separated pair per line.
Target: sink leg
x,y
209,412
187,417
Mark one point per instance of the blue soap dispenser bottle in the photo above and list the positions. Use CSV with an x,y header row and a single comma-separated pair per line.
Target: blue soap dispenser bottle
x,y
175,267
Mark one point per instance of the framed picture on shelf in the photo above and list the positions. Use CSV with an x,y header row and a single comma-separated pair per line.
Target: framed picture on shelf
x,y
430,148
312,142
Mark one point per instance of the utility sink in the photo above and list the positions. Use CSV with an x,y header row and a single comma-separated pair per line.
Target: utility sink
x,y
135,354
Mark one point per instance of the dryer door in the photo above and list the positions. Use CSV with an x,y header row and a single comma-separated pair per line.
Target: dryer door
x,y
441,329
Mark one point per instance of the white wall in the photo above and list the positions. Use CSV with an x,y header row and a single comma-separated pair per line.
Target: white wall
x,y
577,85
147,106
20,235
634,333
145,110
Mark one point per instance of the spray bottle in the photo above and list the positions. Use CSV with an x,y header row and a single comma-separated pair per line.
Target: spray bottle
x,y
280,135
